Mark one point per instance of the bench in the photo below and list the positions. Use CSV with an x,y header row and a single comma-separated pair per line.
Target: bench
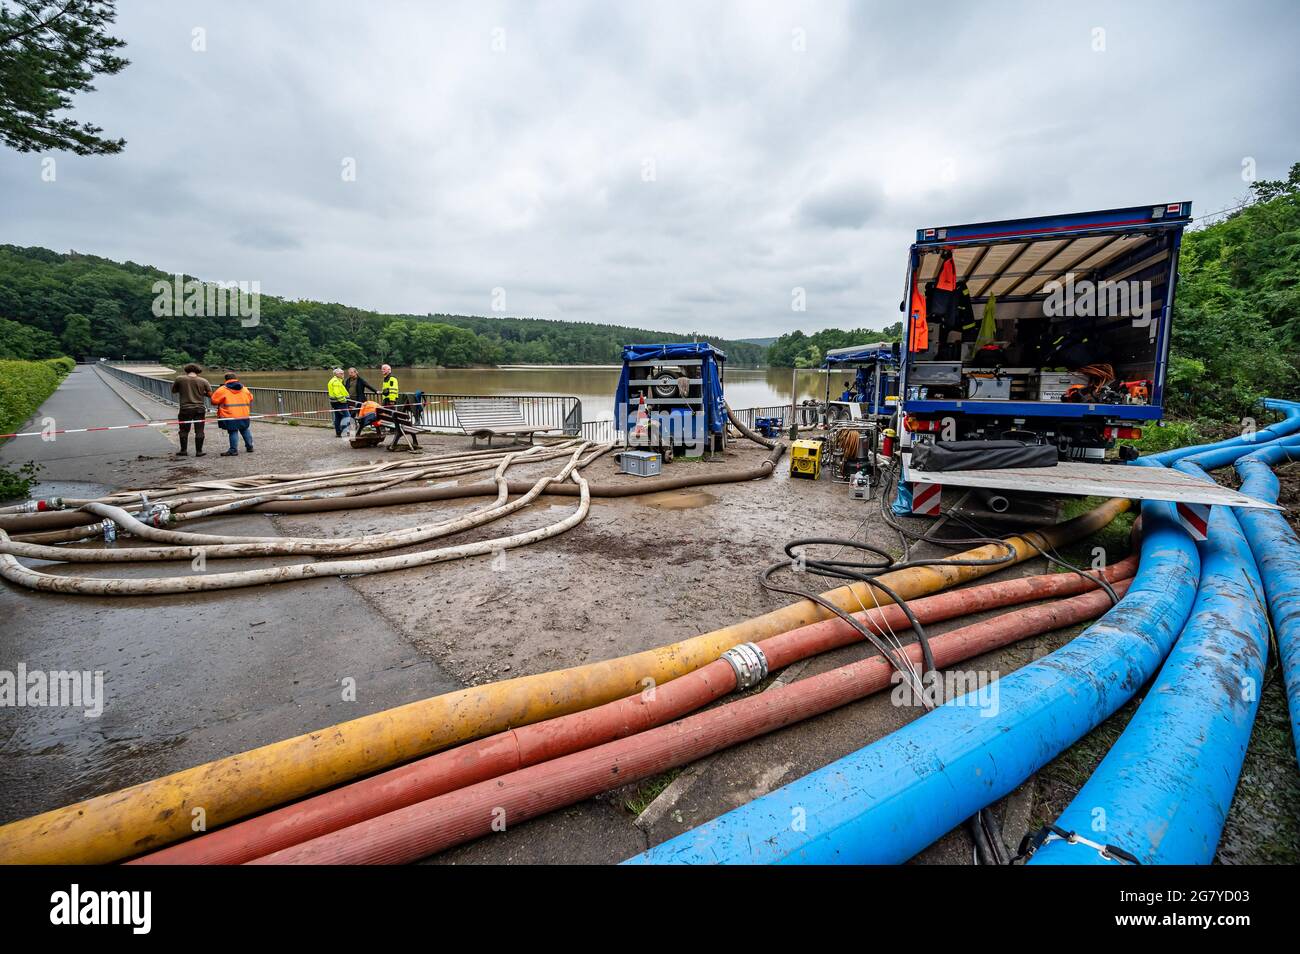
x,y
400,423
490,417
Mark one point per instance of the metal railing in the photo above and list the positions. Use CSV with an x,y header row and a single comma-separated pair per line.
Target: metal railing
x,y
554,412
559,413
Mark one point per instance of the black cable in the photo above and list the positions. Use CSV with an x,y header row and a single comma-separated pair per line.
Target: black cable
x,y
859,571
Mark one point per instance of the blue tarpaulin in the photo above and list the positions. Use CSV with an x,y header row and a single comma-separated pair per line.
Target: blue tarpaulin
x,y
711,361
859,355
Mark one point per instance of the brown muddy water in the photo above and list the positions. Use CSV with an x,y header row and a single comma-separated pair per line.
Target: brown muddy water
x,y
593,386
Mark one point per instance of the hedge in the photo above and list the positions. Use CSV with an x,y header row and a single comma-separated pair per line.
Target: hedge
x,y
24,386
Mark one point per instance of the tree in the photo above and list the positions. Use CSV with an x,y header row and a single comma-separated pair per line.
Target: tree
x,y
144,340
49,51
26,343
76,335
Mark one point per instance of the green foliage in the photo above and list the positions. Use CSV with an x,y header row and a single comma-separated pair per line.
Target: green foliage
x,y
798,350
24,385
1174,434
76,335
25,343
93,307
50,51
1237,312
16,484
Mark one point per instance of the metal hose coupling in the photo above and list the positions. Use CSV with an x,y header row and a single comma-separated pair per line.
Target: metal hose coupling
x,y
40,506
158,515
749,664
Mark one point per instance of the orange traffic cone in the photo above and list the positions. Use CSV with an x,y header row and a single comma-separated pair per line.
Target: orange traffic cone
x,y
642,428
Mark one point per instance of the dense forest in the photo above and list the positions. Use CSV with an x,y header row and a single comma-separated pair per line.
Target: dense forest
x,y
85,306
798,350
1237,311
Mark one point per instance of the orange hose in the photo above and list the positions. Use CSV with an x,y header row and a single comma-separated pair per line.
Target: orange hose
x,y
543,741
436,824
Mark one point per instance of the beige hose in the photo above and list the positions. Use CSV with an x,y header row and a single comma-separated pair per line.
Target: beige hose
x,y
15,572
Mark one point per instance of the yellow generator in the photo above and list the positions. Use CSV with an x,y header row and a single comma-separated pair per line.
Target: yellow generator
x,y
806,459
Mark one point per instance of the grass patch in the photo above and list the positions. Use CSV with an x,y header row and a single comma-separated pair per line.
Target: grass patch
x,y
1113,538
648,791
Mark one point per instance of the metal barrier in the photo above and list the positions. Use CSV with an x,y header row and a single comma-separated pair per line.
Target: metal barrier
x,y
557,412
560,413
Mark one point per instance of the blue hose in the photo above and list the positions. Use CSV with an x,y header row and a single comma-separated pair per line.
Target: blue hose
x,y
1277,553
1163,791
889,800
1289,424
886,802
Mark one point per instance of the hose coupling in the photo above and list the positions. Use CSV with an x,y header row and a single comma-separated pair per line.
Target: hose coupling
x,y
110,531
749,664
40,506
159,515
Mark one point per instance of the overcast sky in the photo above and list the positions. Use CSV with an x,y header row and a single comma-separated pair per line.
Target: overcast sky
x,y
673,166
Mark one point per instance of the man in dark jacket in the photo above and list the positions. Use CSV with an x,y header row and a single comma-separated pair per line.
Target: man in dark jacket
x,y
192,393
357,387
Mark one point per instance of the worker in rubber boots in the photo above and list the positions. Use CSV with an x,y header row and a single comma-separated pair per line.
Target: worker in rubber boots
x,y
338,395
234,403
192,392
388,390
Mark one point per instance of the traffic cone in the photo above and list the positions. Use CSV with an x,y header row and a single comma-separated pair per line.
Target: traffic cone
x,y
642,428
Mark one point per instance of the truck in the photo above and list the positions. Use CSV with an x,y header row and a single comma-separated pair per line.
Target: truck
x,y
1052,330
1030,348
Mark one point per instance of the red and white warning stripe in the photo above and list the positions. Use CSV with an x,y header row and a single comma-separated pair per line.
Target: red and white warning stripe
x,y
127,427
1195,518
925,499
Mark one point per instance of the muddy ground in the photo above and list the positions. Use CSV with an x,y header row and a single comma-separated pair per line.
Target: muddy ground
x,y
638,573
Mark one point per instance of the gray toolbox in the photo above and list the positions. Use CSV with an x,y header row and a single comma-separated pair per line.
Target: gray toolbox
x,y
932,373
641,463
1052,385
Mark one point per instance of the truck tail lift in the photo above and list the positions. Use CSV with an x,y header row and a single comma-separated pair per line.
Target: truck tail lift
x,y
1050,331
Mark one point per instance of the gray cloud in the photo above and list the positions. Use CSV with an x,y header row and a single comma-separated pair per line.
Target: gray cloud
x,y
673,165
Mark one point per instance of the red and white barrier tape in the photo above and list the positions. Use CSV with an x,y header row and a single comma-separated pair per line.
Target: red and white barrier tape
x,y
127,427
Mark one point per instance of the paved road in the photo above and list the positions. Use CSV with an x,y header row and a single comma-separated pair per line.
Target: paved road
x,y
186,678
83,400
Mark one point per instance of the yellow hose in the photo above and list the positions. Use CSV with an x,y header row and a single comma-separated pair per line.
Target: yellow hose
x,y
152,814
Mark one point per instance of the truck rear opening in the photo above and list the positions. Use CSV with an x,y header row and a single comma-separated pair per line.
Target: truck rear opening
x,y
1051,330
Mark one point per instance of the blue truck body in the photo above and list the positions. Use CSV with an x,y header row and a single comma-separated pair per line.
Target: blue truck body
x,y
1040,271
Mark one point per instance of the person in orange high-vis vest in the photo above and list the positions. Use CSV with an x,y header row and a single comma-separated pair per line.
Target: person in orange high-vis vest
x,y
368,415
234,403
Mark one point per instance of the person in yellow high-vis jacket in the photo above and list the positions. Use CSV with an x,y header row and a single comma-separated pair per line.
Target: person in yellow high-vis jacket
x,y
337,390
388,390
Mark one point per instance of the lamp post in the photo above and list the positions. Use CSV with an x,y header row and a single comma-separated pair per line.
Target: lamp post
x,y
794,397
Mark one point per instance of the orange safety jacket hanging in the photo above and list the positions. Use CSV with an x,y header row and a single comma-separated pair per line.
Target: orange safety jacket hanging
x,y
947,273
919,332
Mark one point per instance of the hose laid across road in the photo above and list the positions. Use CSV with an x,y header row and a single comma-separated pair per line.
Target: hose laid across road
x,y
15,572
152,814
430,826
528,745
22,524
